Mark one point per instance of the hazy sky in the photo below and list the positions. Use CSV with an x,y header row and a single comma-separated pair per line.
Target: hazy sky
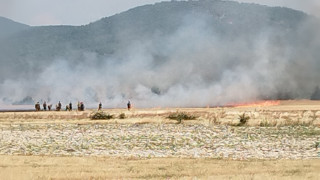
x,y
79,12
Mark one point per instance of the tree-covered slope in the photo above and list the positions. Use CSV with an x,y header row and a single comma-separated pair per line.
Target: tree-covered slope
x,y
9,27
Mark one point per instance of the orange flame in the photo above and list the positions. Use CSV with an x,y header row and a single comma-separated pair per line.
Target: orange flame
x,y
255,104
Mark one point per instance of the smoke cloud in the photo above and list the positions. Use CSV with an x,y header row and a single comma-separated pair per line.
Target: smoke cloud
x,y
192,67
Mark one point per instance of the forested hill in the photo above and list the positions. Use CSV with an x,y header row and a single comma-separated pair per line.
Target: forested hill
x,y
38,46
9,27
214,37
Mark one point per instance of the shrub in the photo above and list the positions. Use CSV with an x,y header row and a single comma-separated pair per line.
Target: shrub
x,y
101,115
122,116
243,119
179,116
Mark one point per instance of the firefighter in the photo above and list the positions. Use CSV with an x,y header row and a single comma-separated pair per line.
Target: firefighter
x,y
81,106
100,106
129,105
37,106
49,107
59,106
44,105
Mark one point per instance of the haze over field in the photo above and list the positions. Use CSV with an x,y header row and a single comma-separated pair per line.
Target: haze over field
x,y
194,53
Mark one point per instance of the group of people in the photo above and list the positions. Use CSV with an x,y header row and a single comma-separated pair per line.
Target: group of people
x,y
59,106
69,106
45,106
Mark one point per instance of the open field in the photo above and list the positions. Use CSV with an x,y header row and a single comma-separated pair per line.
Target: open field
x,y
286,113
45,167
279,141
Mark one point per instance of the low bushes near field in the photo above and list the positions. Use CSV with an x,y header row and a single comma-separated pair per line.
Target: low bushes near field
x,y
122,116
179,116
100,115
243,119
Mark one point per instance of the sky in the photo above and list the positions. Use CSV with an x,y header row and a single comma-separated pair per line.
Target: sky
x,y
81,12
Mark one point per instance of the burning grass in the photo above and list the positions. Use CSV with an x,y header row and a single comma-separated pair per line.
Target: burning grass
x,y
289,114
300,123
256,104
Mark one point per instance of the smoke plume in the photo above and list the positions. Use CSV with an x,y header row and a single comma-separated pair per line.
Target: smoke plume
x,y
193,67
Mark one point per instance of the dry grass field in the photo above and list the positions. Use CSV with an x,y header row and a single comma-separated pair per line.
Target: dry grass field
x,y
46,167
279,141
285,113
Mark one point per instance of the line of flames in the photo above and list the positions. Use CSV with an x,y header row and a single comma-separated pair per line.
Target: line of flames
x,y
256,103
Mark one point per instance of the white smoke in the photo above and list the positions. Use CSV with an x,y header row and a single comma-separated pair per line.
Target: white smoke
x,y
192,67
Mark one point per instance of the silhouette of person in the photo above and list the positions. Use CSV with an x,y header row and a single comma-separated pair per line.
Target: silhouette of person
x,y
129,105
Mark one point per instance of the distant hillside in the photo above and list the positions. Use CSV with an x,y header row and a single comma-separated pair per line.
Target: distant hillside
x,y
209,44
114,34
9,27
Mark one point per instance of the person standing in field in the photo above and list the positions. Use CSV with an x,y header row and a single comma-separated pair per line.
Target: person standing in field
x,y
129,105
59,105
82,106
37,106
70,106
100,106
49,107
44,105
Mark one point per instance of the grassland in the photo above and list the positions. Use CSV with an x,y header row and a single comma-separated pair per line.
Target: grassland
x,y
47,167
277,142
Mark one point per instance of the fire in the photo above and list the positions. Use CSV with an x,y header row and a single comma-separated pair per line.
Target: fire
x,y
257,103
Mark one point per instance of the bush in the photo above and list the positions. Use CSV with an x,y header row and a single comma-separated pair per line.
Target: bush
x,y
179,116
101,115
122,116
243,119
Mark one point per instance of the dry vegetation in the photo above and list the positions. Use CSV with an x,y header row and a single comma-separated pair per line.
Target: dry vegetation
x,y
288,113
303,116
27,167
